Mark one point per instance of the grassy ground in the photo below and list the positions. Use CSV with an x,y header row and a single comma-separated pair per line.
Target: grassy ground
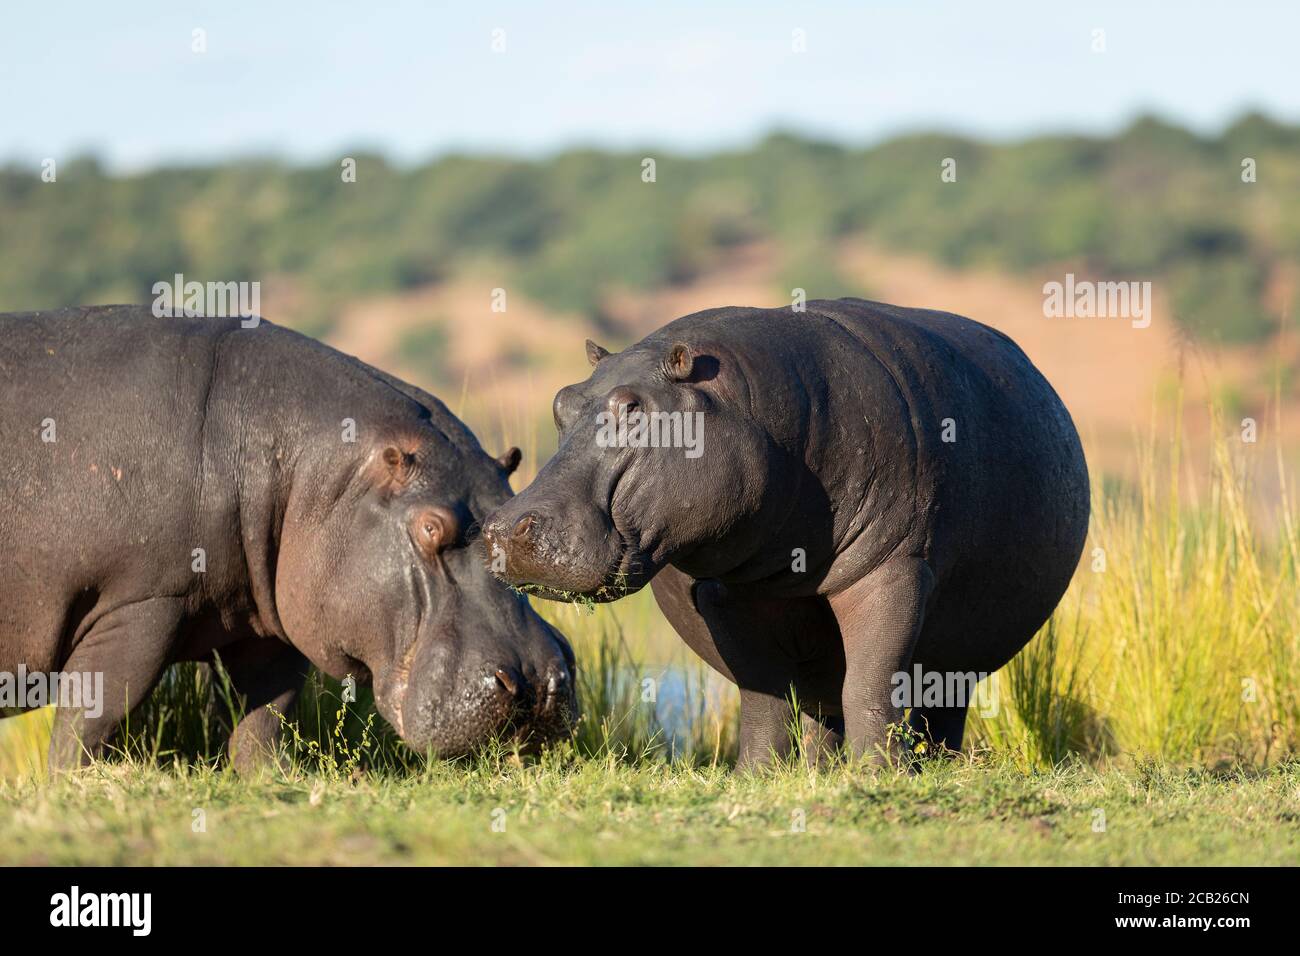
x,y
1155,720
593,811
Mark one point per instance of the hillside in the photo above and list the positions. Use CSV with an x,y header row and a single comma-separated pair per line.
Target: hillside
x,y
401,265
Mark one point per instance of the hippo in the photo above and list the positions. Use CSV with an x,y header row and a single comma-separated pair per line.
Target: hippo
x,y
182,487
825,501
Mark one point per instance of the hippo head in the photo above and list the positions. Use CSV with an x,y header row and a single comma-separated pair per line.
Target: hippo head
x,y
378,578
655,465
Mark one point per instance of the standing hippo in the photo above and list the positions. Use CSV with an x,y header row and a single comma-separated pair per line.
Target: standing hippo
x,y
178,486
858,490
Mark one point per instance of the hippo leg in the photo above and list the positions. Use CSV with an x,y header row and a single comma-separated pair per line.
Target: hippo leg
x,y
267,674
733,639
129,646
880,619
765,724
758,646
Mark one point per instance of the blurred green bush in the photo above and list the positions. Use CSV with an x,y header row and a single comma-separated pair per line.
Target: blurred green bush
x,y
1154,202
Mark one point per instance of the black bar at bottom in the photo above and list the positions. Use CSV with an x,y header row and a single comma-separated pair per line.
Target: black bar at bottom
x,y
323,905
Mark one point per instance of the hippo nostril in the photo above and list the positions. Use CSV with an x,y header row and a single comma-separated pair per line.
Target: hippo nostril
x,y
556,688
509,681
523,526
552,693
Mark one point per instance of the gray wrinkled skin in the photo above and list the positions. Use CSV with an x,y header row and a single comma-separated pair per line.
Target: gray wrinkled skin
x,y
823,438
176,434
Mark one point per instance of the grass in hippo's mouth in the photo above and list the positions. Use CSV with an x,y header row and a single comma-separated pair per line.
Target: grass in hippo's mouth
x,y
618,587
578,598
588,600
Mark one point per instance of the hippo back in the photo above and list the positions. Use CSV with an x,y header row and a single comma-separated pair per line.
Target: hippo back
x,y
928,432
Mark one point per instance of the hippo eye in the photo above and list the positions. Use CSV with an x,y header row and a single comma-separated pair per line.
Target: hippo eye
x,y
624,401
435,529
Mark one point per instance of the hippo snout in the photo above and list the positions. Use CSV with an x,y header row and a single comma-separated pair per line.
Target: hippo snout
x,y
539,708
537,549
513,543
521,551
545,696
504,703
505,531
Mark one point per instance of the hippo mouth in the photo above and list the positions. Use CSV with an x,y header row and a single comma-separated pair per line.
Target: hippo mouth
x,y
572,555
525,716
552,719
628,573
471,690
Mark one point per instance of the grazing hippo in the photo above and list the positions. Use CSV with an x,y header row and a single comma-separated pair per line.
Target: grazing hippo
x,y
850,492
179,486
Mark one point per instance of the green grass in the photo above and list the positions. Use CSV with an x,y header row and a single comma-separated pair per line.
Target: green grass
x,y
608,811
1164,694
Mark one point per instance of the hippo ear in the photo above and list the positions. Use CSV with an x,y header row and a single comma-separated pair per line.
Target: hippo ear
x,y
508,460
401,465
594,352
680,363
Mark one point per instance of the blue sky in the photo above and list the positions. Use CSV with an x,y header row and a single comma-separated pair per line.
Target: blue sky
x,y
313,81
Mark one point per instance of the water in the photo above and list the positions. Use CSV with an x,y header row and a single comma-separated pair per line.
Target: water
x,y
683,697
